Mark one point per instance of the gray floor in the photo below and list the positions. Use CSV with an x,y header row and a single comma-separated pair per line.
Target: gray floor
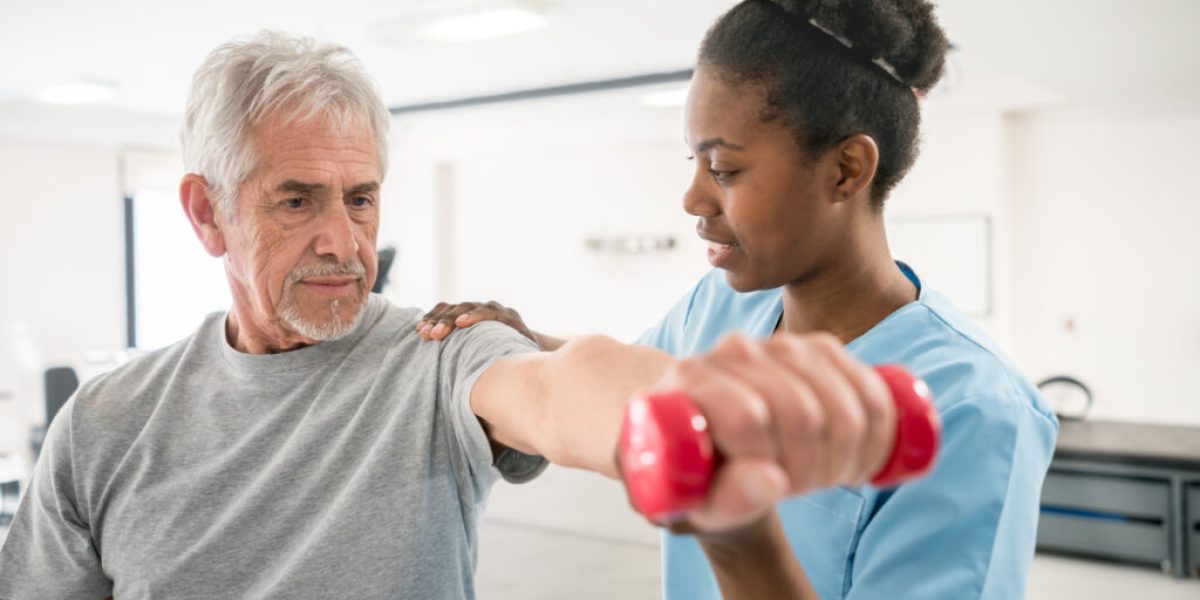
x,y
520,562
517,562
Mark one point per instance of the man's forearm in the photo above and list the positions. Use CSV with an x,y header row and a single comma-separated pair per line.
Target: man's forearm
x,y
567,405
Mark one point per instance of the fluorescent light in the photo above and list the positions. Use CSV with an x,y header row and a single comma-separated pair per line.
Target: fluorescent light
x,y
483,25
666,98
79,92
463,21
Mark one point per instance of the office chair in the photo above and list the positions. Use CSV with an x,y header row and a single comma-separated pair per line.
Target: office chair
x,y
60,383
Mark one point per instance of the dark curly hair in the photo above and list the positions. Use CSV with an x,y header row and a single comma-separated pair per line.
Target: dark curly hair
x,y
822,89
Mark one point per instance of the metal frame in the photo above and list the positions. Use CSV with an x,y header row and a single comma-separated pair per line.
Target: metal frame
x,y
130,298
585,87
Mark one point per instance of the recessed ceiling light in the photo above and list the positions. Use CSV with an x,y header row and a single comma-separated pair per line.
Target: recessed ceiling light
x,y
464,22
666,98
78,92
484,25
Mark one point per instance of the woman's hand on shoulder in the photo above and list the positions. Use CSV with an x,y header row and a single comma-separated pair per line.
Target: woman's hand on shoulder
x,y
444,318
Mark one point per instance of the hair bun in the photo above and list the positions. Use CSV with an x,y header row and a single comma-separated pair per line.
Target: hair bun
x,y
905,33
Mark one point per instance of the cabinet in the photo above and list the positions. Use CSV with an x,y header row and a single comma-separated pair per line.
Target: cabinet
x,y
1127,492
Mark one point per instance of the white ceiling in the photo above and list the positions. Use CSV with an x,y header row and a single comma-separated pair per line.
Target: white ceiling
x,y
1119,54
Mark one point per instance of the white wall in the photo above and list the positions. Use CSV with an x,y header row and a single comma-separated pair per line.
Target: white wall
x,y
961,171
62,254
520,189
1106,213
1092,221
495,203
62,268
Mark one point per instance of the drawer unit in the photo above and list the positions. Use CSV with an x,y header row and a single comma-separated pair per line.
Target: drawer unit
x,y
1110,516
1114,494
1136,542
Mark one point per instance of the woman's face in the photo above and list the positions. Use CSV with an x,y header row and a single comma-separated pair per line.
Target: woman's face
x,y
767,209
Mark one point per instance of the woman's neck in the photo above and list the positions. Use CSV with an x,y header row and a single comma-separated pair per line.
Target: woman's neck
x,y
850,296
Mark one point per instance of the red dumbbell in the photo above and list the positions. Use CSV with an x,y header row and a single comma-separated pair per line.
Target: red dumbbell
x,y
668,459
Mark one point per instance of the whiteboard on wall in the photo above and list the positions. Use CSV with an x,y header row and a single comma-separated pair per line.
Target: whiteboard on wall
x,y
951,254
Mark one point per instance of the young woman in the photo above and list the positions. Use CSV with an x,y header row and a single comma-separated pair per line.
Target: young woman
x,y
802,116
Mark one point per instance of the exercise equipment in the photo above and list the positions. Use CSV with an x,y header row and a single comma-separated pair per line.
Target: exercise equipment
x,y
668,459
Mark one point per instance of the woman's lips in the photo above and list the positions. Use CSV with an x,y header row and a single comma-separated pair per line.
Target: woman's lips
x,y
718,253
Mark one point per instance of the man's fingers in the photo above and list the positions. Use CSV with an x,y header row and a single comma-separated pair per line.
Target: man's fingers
x,y
880,412
738,417
741,492
797,417
845,421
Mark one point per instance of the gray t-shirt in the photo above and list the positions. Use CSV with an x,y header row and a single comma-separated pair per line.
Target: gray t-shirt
x,y
353,468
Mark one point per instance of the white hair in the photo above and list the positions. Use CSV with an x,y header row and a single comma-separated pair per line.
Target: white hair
x,y
242,82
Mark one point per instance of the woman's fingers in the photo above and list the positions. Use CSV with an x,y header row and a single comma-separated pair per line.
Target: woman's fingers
x,y
444,318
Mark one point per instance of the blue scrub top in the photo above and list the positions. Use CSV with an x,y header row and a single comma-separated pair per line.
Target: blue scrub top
x,y
967,530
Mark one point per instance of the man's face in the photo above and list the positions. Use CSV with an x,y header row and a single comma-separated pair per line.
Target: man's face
x,y
301,247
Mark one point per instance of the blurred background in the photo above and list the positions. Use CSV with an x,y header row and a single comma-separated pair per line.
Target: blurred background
x,y
537,159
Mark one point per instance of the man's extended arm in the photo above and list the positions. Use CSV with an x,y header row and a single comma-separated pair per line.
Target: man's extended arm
x,y
789,415
567,405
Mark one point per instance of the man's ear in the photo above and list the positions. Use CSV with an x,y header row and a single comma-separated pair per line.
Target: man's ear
x,y
858,158
201,210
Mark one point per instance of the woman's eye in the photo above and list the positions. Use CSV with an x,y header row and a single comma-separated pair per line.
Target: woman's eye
x,y
722,176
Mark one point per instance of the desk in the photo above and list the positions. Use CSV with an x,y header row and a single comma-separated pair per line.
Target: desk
x,y
1125,491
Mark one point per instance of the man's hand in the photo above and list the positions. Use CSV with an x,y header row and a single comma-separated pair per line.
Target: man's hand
x,y
792,414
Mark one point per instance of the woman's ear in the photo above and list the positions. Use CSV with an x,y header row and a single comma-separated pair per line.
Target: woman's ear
x,y
858,158
200,208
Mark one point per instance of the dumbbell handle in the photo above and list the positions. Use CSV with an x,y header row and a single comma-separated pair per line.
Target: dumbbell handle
x,y
667,456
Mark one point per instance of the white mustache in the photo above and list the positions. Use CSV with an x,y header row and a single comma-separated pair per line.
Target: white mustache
x,y
350,267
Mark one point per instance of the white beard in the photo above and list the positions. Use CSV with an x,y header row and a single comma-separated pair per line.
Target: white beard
x,y
334,328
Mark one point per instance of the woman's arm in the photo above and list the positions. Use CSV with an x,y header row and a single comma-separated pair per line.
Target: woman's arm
x,y
756,561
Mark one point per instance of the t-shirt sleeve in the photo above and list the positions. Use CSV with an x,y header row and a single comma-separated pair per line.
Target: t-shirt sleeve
x,y
969,529
467,353
50,552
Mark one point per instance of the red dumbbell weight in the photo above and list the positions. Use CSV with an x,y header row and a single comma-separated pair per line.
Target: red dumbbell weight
x,y
668,459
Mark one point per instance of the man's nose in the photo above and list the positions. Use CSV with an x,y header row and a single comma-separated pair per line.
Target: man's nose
x,y
336,237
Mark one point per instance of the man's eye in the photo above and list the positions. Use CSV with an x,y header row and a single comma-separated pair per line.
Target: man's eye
x,y
294,202
360,201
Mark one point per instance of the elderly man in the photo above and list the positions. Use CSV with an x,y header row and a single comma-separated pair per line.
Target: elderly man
x,y
307,443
